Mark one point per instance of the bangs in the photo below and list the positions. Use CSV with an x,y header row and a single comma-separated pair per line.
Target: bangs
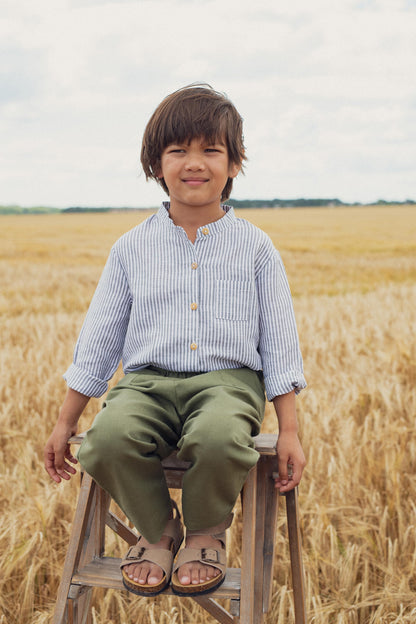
x,y
194,120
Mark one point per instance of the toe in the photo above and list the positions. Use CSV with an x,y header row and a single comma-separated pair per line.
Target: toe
x,y
131,571
195,575
142,575
212,572
155,575
185,575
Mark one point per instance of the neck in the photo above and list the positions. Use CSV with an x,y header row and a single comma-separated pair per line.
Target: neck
x,y
190,218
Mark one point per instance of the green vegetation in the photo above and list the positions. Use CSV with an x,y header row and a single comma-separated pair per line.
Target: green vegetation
x,y
301,202
236,203
7,210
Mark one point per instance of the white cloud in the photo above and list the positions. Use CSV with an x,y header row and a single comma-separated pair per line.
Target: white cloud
x,y
326,90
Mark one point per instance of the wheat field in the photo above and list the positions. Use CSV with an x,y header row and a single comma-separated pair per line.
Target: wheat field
x,y
353,277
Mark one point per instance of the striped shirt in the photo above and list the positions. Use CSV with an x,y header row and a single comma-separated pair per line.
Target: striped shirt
x,y
221,302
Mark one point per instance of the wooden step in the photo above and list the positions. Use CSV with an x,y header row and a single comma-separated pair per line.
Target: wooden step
x,y
264,443
105,572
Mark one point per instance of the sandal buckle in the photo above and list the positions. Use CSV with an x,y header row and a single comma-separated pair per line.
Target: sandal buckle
x,y
210,555
137,555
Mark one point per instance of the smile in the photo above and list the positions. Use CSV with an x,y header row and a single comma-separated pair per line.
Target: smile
x,y
194,181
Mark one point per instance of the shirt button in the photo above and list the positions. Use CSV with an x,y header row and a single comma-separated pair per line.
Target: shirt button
x,y
194,265
194,306
194,346
205,231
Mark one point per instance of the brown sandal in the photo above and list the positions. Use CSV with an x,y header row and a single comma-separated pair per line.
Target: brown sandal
x,y
207,556
162,557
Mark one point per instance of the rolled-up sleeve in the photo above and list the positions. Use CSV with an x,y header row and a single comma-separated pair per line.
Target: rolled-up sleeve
x,y
279,342
100,344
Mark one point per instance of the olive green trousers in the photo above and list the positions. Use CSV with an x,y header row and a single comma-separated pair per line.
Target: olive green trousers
x,y
209,417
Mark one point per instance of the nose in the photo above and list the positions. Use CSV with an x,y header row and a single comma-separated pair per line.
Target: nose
x,y
194,161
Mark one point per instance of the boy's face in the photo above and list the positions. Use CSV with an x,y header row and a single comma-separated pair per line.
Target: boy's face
x,y
196,173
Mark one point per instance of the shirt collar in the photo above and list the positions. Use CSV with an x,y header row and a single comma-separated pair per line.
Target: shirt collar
x,y
215,227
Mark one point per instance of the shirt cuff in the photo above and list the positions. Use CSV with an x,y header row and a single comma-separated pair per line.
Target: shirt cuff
x,y
282,384
85,383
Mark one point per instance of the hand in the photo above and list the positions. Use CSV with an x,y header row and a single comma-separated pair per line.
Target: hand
x,y
291,461
57,453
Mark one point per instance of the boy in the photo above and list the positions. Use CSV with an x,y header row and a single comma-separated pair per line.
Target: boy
x,y
196,303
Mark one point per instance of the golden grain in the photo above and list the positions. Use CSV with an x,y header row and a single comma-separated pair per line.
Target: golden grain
x,y
352,272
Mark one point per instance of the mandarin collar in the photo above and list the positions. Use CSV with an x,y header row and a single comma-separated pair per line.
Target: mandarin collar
x,y
215,227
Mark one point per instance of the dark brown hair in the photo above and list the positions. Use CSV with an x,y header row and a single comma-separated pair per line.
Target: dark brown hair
x,y
195,111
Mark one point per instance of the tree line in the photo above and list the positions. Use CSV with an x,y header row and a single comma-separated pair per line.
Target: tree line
x,y
236,203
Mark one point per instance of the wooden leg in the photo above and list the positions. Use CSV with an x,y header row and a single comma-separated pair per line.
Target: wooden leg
x,y
298,582
271,498
79,600
258,544
248,555
86,542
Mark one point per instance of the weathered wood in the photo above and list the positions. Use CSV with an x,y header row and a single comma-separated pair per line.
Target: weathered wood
x,y
235,608
79,601
260,527
248,548
76,543
264,443
272,506
121,528
217,611
105,572
298,582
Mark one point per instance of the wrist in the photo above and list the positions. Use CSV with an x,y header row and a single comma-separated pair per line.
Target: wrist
x,y
285,407
285,430
67,419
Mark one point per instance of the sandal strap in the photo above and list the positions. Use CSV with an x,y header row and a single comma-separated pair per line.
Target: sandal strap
x,y
208,556
161,557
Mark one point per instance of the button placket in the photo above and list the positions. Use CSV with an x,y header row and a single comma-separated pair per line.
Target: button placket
x,y
193,306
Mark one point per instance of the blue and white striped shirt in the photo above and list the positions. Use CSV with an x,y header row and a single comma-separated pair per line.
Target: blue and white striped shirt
x,y
222,302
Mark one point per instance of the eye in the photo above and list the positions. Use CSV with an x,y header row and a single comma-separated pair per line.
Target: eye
x,y
211,149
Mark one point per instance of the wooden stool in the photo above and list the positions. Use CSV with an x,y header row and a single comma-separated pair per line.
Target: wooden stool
x,y
249,588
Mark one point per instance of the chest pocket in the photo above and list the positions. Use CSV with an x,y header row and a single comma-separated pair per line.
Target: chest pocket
x,y
233,299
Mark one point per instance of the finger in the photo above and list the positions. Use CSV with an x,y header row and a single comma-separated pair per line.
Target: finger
x,y
70,457
69,468
64,470
50,467
286,488
56,466
297,474
283,472
294,477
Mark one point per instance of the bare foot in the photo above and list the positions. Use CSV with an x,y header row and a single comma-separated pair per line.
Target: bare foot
x,y
196,572
147,573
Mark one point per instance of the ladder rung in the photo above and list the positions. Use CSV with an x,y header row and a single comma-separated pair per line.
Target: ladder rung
x,y
105,572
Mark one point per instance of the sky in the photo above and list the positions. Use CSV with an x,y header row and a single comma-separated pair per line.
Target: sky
x,y
326,88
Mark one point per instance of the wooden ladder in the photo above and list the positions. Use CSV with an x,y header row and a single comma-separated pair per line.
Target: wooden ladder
x,y
249,589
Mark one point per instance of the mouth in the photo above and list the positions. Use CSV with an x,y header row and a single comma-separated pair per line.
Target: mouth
x,y
194,181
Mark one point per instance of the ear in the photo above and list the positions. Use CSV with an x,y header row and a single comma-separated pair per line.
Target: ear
x,y
157,169
234,170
